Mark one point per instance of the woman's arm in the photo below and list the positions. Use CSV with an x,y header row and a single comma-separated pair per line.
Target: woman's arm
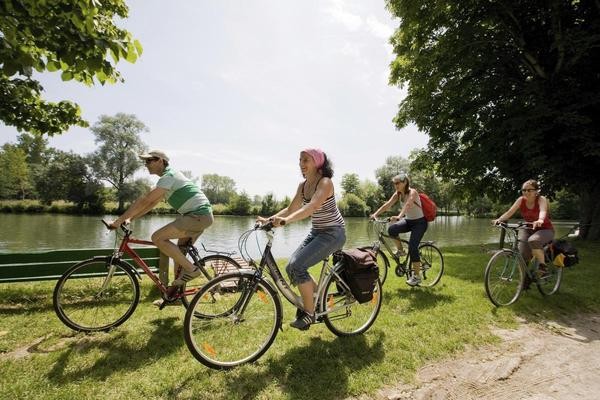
x,y
295,204
543,212
508,213
323,192
386,206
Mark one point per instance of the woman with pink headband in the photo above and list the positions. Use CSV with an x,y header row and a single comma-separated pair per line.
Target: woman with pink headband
x,y
314,198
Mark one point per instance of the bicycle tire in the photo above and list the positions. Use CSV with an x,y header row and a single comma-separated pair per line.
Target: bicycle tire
x,y
217,334
81,302
432,265
346,316
504,277
382,262
550,283
212,265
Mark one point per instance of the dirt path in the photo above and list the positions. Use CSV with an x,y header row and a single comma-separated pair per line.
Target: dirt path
x,y
535,362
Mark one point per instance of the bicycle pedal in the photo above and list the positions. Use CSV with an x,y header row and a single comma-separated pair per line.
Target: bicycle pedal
x,y
399,271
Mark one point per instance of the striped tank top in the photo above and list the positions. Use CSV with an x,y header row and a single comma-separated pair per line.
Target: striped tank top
x,y
327,216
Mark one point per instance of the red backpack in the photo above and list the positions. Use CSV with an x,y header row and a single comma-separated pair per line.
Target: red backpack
x,y
428,206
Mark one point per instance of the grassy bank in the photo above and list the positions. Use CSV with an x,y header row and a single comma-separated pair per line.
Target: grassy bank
x,y
146,357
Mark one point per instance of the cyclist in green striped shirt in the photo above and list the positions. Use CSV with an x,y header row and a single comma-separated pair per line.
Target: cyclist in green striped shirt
x,y
186,198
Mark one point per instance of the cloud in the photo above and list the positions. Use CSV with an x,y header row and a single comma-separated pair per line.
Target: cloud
x,y
378,28
339,12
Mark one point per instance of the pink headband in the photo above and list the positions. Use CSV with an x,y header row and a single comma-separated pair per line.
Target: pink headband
x,y
317,155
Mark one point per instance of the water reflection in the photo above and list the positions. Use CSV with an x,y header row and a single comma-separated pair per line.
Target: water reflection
x,y
25,232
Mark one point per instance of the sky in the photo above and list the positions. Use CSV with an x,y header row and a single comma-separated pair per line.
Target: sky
x,y
240,88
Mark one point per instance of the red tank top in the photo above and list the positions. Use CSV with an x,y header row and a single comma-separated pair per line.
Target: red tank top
x,y
533,214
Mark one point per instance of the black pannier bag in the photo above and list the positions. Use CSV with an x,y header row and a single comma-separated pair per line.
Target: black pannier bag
x,y
360,272
565,254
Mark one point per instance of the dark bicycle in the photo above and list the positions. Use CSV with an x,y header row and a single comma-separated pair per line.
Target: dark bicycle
x,y
432,261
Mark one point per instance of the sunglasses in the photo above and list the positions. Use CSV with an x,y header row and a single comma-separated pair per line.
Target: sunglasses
x,y
149,160
528,190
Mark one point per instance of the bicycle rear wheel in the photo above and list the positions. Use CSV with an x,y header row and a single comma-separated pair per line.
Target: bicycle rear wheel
x,y
504,277
212,266
232,320
382,263
96,296
432,265
346,316
549,283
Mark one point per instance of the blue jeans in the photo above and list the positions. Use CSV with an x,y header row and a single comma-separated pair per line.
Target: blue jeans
x,y
318,245
417,228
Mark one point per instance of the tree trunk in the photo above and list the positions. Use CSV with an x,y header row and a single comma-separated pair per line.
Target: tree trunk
x,y
590,213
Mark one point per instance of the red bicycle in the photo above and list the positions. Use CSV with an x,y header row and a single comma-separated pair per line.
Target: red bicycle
x,y
102,292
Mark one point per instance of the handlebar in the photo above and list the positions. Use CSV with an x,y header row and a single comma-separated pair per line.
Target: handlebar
x,y
123,226
380,220
267,226
518,225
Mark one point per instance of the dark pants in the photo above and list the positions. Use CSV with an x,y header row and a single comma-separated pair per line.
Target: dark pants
x,y
417,228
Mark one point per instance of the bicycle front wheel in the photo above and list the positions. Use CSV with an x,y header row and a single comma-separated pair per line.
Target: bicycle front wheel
x,y
211,266
549,283
382,262
96,295
432,265
344,315
504,277
232,320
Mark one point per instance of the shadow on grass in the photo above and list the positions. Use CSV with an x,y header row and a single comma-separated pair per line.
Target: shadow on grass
x,y
117,356
24,300
423,298
319,370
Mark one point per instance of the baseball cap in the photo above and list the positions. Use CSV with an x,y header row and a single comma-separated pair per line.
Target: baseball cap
x,y
154,154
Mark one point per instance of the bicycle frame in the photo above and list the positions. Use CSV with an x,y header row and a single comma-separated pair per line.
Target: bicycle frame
x,y
125,248
381,240
512,233
268,261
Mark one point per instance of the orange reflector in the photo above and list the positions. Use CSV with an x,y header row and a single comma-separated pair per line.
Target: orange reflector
x,y
262,296
374,299
209,349
330,301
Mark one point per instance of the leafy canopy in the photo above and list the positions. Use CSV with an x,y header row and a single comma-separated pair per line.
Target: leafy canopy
x,y
506,91
77,38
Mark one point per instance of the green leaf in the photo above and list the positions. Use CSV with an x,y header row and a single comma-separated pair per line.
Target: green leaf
x,y
53,66
66,76
77,21
131,55
138,47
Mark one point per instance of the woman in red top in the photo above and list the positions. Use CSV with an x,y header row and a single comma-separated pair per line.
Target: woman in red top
x,y
534,209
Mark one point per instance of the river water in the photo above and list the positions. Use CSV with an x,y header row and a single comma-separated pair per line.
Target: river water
x,y
38,232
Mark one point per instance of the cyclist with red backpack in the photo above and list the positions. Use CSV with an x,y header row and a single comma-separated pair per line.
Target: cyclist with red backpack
x,y
410,219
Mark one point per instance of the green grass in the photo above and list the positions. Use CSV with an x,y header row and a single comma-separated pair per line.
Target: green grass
x,y
147,357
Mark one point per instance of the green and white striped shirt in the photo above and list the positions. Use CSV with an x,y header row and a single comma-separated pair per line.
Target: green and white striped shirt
x,y
182,194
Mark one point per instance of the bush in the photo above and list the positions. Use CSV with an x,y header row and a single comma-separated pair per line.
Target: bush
x,y
353,206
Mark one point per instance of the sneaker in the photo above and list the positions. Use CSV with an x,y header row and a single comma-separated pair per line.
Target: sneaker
x,y
161,303
186,277
543,271
400,253
303,322
413,280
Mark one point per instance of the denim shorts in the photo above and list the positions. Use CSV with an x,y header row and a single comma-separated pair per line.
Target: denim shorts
x,y
318,245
